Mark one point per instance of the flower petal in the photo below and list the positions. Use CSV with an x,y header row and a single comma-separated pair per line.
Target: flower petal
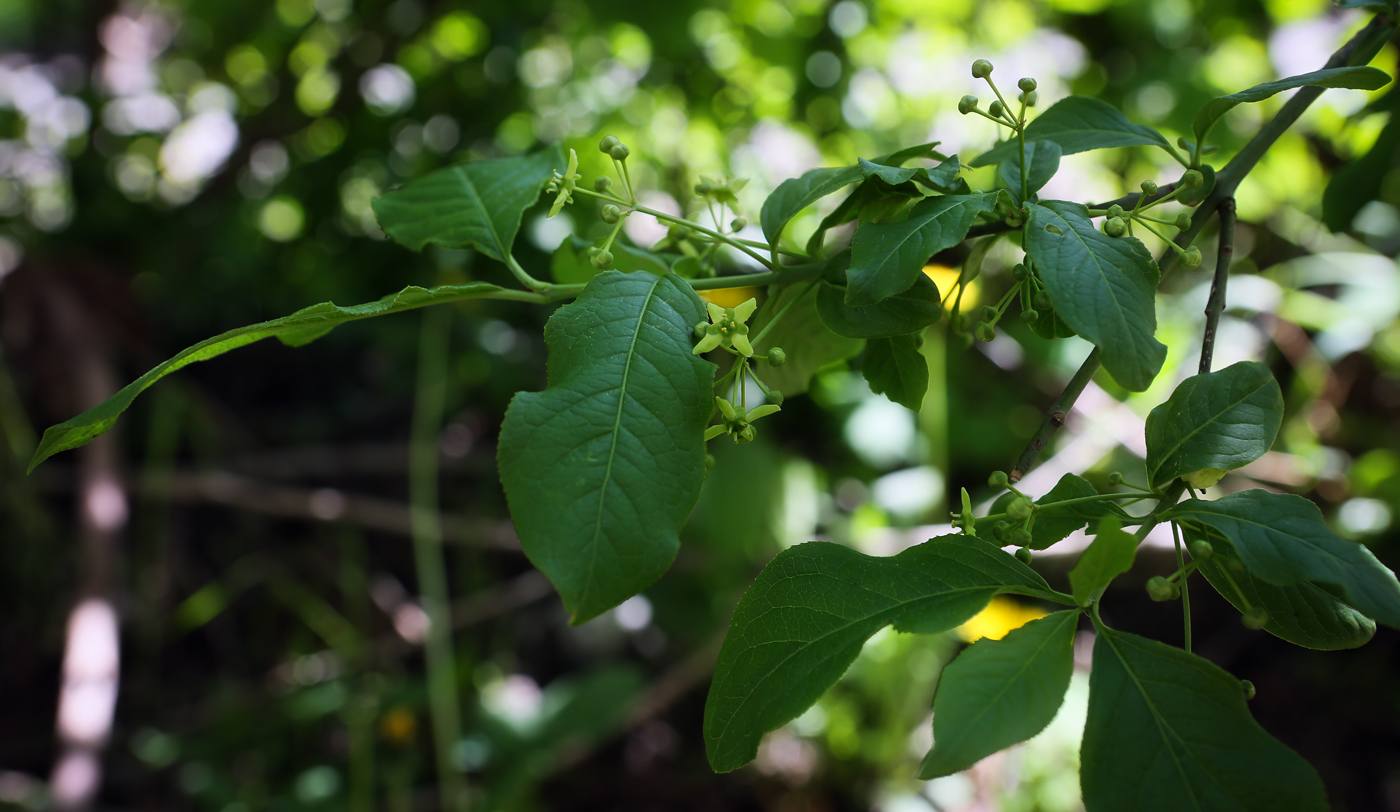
x,y
741,343
714,431
709,342
762,411
743,310
725,408
716,312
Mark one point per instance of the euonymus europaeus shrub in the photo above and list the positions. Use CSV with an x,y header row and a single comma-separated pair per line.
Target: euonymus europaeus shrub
x,y
602,468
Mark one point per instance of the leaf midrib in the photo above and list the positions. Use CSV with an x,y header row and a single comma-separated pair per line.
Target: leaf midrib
x,y
1098,265
1214,418
470,186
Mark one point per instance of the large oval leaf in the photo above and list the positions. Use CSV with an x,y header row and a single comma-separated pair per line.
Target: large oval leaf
x,y
303,326
472,205
1079,124
1103,287
1217,421
904,312
1043,157
804,620
886,258
1302,614
795,194
1000,692
602,467
895,368
1283,539
1168,731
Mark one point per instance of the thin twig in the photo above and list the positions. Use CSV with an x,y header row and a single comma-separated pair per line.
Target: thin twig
x,y
1216,305
1056,415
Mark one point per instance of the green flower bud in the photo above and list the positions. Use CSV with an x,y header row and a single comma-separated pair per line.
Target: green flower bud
x,y
1029,316
1183,221
774,397
1149,187
985,332
609,141
1115,210
1160,589
1115,479
981,69
965,339
709,461
1255,618
1183,143
701,327
1001,530
702,188
1235,565
1115,227
738,224
1021,537
1027,84
619,152
776,357
1024,556
1042,301
602,185
1248,689
996,109
1030,99
1192,179
1191,258
1018,272
999,480
967,104
1020,508
602,260
1201,550
611,214
989,313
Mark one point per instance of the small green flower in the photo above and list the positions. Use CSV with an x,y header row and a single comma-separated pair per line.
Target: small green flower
x,y
736,422
727,328
564,184
722,190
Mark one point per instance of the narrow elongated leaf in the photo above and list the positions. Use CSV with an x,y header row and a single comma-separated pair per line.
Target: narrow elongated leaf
x,y
1079,124
1301,613
1044,160
804,620
1168,731
602,467
904,312
943,178
1000,692
472,205
1103,287
302,327
1108,556
1053,523
1283,540
895,368
809,344
795,194
1357,78
1218,421
886,258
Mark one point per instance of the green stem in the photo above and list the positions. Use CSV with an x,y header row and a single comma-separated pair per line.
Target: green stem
x,y
428,557
526,279
1055,416
1216,304
1025,170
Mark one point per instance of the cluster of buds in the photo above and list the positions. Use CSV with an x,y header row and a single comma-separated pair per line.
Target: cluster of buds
x,y
737,422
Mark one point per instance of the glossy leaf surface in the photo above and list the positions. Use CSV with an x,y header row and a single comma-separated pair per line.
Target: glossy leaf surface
x,y
904,312
795,194
1000,692
806,616
301,327
602,468
1221,420
1300,613
1103,287
943,178
895,368
1079,124
1108,556
1283,540
1168,731
471,205
1044,160
887,258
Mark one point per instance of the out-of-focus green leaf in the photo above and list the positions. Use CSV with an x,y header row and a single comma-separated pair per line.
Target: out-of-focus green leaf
x,y
905,312
895,368
809,343
602,468
1356,78
1079,124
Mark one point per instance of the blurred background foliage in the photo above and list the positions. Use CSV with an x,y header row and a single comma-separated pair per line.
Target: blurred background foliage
x,y
172,169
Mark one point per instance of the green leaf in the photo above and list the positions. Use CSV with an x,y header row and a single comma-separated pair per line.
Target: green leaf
x,y
895,368
804,620
472,205
1079,124
602,468
942,178
1221,420
1301,613
795,194
886,258
1357,78
870,192
571,266
1386,4
1168,731
1282,539
1109,555
1000,692
1053,523
809,344
302,327
1359,182
1103,287
905,312
1044,159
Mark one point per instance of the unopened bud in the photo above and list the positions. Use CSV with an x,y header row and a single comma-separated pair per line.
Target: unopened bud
x,y
1183,221
611,214
602,185
1192,179
1018,272
1201,550
967,104
1255,618
619,152
1191,258
774,397
602,260
738,224
1115,227
1029,316
981,69
996,109
609,141
1149,187
776,357
1248,689
1115,479
1031,98
1024,556
1160,589
998,480
985,332
1027,84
